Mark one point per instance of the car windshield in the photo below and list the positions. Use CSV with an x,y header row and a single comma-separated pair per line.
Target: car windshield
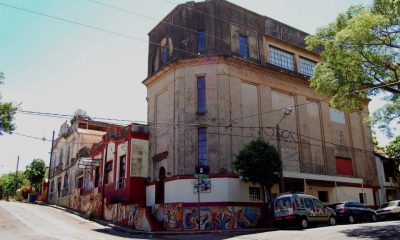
x,y
388,204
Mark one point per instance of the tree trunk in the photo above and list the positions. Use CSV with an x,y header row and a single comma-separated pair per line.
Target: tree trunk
x,y
270,209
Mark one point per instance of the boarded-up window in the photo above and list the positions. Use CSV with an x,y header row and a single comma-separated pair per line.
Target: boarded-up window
x,y
344,166
337,116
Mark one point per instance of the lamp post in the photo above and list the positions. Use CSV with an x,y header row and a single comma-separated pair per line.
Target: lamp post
x,y
287,112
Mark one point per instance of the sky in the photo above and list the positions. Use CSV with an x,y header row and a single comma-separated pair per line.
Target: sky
x,y
58,67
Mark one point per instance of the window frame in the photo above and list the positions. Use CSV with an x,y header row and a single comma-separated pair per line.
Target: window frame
x,y
201,41
164,55
201,95
306,63
276,58
202,150
254,193
244,46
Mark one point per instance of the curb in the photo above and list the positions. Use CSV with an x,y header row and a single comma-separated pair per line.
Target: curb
x,y
158,233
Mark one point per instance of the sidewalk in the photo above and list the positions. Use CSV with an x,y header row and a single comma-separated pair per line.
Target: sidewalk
x,y
159,233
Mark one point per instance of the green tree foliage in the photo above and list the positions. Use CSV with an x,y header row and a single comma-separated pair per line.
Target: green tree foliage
x,y
35,172
7,112
361,49
258,162
393,151
7,182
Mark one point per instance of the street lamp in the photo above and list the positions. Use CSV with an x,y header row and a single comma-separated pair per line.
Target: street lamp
x,y
287,112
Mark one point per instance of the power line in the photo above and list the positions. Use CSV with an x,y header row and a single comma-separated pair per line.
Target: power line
x,y
154,19
92,27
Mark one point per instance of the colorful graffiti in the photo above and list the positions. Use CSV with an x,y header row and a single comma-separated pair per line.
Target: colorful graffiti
x,y
110,212
158,211
173,216
85,203
211,218
141,220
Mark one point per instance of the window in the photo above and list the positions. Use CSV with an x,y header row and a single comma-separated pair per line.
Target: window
x,y
80,182
307,66
164,55
254,194
201,41
201,95
323,196
317,203
344,166
363,197
308,202
68,155
65,181
244,46
108,172
281,58
122,164
96,176
202,147
337,116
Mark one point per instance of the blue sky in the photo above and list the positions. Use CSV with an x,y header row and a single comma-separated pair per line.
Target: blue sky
x,y
55,66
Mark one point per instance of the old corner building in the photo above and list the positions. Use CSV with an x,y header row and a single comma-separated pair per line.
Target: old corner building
x,y
224,79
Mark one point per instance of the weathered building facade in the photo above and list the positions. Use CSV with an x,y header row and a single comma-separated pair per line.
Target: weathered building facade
x,y
225,77
73,142
116,170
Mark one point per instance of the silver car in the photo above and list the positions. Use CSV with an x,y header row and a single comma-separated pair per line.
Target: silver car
x,y
389,210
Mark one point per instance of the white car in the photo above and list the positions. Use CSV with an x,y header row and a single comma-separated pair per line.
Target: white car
x,y
389,210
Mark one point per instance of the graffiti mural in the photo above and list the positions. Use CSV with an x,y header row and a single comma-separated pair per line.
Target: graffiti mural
x,y
158,212
141,221
74,200
173,216
177,217
85,203
110,212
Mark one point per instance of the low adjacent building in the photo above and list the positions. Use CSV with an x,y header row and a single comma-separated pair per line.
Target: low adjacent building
x,y
73,141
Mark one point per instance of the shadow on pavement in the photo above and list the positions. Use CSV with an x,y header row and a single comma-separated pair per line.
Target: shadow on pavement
x,y
210,236
122,234
375,232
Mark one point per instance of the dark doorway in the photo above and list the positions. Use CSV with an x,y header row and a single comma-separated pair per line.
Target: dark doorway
x,y
160,186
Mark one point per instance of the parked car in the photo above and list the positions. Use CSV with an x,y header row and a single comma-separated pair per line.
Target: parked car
x,y
389,210
352,212
301,210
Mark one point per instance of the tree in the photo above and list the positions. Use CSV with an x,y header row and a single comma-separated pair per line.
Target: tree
x,y
7,112
8,182
258,162
35,172
361,50
393,151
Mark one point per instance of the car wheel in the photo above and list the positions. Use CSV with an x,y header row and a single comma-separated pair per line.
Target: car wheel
x,y
303,223
373,218
351,219
332,221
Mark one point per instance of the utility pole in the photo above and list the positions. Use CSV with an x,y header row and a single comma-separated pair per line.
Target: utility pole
x,y
198,195
278,139
48,177
16,177
287,112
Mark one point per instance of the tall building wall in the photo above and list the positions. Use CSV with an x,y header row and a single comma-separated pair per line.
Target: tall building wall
x,y
243,103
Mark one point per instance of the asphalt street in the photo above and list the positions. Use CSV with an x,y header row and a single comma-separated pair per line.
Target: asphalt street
x,y
31,221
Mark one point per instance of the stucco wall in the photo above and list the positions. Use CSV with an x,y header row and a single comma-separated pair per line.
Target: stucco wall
x,y
240,99
222,190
